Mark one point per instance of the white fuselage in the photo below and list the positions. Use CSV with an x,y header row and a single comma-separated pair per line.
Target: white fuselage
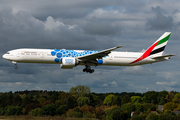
x,y
47,56
71,58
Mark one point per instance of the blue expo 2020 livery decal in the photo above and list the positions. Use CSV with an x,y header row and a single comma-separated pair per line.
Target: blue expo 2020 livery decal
x,y
71,53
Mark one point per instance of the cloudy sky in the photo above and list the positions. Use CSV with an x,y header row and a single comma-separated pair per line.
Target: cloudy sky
x,y
89,25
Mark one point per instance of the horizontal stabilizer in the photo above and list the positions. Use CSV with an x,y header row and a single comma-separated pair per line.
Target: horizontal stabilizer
x,y
164,56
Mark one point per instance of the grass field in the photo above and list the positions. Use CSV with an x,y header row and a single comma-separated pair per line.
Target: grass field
x,y
41,118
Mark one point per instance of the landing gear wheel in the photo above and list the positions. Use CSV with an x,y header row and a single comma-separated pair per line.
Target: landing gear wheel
x,y
91,70
88,69
16,67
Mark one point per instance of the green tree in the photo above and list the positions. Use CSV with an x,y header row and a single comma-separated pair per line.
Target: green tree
x,y
66,99
166,117
128,107
48,110
139,106
176,98
179,108
10,111
80,91
152,116
83,101
35,112
26,100
147,112
126,99
9,98
137,112
118,101
169,96
150,97
17,101
48,102
161,97
147,106
31,106
170,106
18,110
54,97
3,100
2,111
116,114
136,117
109,100
162,101
75,113
94,100
61,110
136,99
41,100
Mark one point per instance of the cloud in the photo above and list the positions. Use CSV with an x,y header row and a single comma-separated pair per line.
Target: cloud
x,y
160,21
166,83
137,70
114,84
27,31
89,24
101,28
105,85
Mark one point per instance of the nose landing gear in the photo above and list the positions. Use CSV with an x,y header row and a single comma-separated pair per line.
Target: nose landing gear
x,y
15,67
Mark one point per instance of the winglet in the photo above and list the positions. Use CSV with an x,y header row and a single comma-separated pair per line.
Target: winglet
x,y
119,46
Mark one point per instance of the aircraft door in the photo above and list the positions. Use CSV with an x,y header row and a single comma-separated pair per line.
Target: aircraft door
x,y
110,56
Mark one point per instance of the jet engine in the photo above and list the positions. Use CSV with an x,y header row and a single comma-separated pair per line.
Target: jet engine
x,y
68,63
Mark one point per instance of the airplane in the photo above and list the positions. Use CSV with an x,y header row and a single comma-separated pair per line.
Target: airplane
x,y
71,58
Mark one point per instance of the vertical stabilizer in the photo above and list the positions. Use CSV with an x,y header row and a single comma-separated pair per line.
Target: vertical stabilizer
x,y
160,45
156,49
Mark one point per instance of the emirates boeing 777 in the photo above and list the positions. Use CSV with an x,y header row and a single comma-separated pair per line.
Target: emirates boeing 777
x,y
71,58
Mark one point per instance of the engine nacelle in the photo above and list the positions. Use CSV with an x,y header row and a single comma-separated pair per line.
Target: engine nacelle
x,y
68,63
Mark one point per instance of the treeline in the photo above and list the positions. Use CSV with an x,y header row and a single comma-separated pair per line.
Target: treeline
x,y
81,102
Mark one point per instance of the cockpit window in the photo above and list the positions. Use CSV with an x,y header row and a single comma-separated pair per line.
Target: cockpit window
x,y
8,53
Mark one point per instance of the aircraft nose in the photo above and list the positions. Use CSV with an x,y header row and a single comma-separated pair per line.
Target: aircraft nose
x,y
4,56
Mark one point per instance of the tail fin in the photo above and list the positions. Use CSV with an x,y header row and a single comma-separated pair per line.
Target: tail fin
x,y
156,49
159,45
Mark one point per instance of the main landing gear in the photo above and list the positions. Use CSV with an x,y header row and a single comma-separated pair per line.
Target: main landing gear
x,y
88,69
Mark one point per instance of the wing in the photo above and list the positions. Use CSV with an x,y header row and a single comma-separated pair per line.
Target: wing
x,y
97,55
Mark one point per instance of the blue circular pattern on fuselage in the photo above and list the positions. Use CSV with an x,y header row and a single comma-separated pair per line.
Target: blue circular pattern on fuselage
x,y
53,53
59,55
56,60
71,53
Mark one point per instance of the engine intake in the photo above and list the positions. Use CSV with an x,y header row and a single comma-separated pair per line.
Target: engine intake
x,y
68,63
